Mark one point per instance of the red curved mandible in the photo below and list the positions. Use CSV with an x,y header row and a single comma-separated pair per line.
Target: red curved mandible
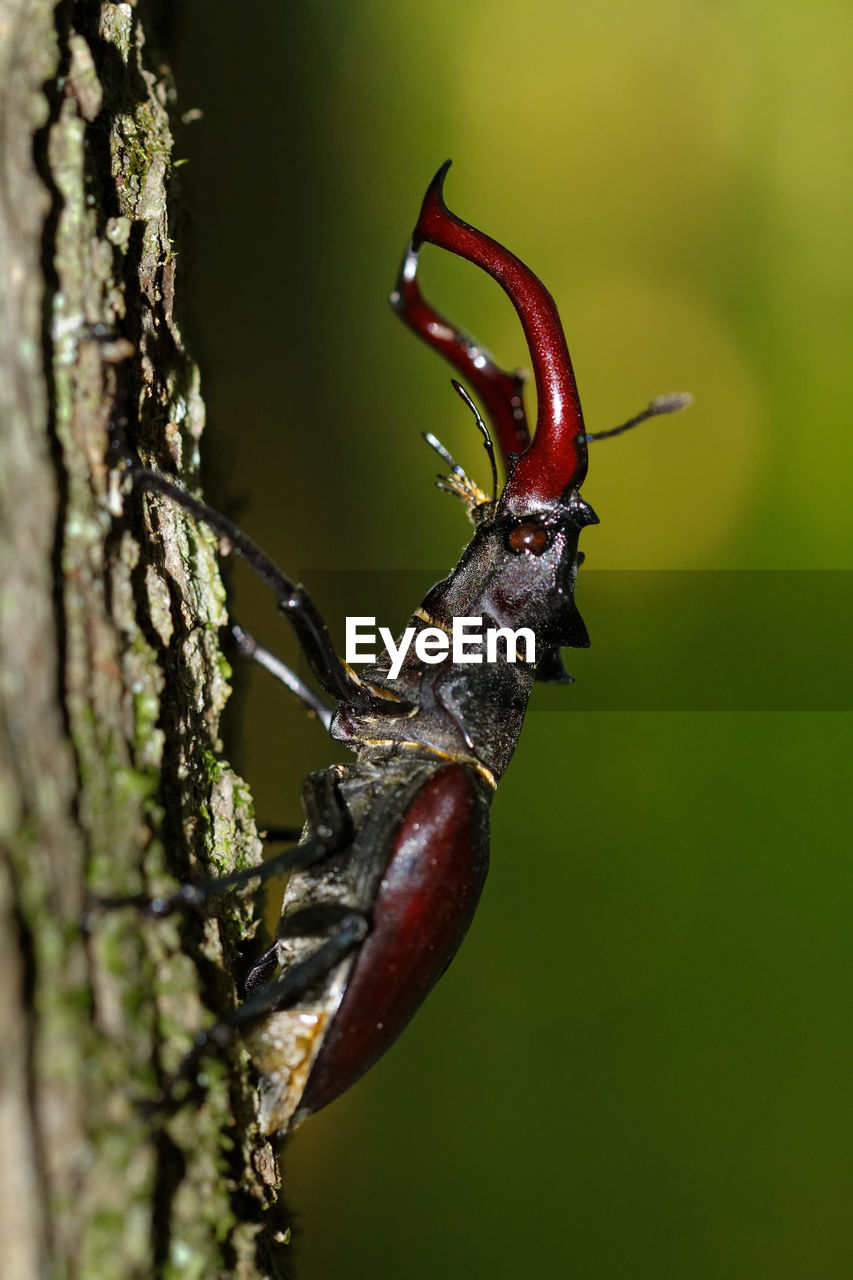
x,y
556,460
501,390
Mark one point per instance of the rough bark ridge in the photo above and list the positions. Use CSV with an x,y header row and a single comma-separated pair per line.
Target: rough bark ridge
x,y
111,687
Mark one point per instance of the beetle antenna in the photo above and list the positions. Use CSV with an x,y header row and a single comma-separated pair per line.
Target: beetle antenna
x,y
671,403
458,482
445,454
484,431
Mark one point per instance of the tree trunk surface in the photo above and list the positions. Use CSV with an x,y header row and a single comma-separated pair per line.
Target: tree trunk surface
x,y
112,683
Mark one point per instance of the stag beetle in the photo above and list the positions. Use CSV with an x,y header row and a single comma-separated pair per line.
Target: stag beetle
x,y
393,855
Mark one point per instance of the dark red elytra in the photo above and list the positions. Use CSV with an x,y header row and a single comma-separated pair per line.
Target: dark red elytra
x,y
392,859
423,907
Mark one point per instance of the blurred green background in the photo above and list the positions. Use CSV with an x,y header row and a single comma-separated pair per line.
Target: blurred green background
x,y
639,1064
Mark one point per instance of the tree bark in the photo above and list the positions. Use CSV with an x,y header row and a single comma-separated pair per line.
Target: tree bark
x,y
111,687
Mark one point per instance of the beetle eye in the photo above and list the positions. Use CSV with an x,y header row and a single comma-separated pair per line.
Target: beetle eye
x,y
530,536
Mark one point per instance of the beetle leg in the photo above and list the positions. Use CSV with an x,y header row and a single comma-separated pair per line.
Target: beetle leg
x,y
192,895
284,991
328,827
304,855
318,919
335,676
315,706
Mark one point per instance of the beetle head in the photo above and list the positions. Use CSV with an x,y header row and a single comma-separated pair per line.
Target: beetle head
x,y
521,563
520,570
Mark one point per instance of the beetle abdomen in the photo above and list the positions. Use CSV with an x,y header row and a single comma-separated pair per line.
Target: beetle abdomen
x,y
421,913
